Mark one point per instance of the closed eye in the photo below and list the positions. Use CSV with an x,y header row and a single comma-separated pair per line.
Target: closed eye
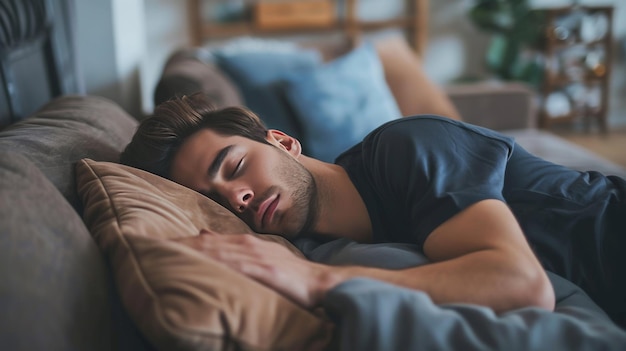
x,y
237,168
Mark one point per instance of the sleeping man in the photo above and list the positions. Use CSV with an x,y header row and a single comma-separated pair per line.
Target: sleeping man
x,y
489,216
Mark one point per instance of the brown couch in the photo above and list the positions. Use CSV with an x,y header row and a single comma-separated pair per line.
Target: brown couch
x,y
79,256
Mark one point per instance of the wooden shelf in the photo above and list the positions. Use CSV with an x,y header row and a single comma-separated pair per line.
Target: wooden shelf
x,y
405,22
413,23
214,31
555,50
244,28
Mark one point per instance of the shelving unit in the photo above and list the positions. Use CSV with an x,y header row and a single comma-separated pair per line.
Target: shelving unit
x,y
414,22
578,66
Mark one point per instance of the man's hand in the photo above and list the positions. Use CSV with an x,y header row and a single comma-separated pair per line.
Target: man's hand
x,y
267,262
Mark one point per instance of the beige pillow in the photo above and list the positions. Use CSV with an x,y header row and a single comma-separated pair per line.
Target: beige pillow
x,y
180,299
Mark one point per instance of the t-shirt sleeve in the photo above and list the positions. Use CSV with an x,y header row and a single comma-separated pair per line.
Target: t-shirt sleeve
x,y
427,169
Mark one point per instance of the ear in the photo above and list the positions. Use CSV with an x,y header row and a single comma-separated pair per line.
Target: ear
x,y
285,142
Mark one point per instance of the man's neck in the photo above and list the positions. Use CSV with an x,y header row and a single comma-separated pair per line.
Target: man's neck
x,y
342,212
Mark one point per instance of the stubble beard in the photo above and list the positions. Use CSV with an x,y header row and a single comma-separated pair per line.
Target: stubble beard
x,y
305,196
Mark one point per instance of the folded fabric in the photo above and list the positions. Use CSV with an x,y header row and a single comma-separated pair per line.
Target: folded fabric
x,y
376,316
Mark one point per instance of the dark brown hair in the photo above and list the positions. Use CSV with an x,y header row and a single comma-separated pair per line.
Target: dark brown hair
x,y
159,136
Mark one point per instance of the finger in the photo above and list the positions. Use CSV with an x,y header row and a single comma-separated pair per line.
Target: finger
x,y
246,240
207,231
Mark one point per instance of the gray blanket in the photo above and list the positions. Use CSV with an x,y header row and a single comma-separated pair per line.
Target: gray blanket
x,y
373,315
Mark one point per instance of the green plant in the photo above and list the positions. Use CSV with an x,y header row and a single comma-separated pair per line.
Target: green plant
x,y
518,31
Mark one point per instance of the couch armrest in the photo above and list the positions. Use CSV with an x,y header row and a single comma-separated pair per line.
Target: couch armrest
x,y
495,105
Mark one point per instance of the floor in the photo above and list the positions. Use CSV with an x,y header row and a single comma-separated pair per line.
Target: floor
x,y
611,145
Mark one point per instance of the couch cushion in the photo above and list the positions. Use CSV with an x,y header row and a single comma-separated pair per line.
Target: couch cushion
x,y
188,71
67,130
560,151
54,292
494,104
340,102
179,298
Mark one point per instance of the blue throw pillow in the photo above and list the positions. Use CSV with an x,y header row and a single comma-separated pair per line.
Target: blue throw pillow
x,y
258,72
340,102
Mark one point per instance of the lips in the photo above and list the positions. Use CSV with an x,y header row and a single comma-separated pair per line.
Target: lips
x,y
266,210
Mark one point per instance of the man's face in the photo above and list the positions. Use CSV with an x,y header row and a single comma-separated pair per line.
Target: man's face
x,y
262,184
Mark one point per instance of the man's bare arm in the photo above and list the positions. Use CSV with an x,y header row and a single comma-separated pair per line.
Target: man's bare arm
x,y
479,256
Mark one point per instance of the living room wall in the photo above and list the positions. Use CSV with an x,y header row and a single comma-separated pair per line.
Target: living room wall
x,y
123,44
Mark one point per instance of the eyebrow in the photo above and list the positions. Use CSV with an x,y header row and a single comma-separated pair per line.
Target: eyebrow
x,y
219,159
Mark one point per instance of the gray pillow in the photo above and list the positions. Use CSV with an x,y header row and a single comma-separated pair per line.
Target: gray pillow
x,y
347,252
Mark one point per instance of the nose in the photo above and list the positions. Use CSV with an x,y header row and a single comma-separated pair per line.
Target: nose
x,y
240,198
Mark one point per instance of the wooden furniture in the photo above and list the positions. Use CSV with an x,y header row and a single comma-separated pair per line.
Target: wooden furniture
x,y
578,66
344,20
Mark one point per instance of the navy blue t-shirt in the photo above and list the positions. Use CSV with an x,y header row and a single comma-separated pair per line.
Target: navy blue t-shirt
x,y
415,173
